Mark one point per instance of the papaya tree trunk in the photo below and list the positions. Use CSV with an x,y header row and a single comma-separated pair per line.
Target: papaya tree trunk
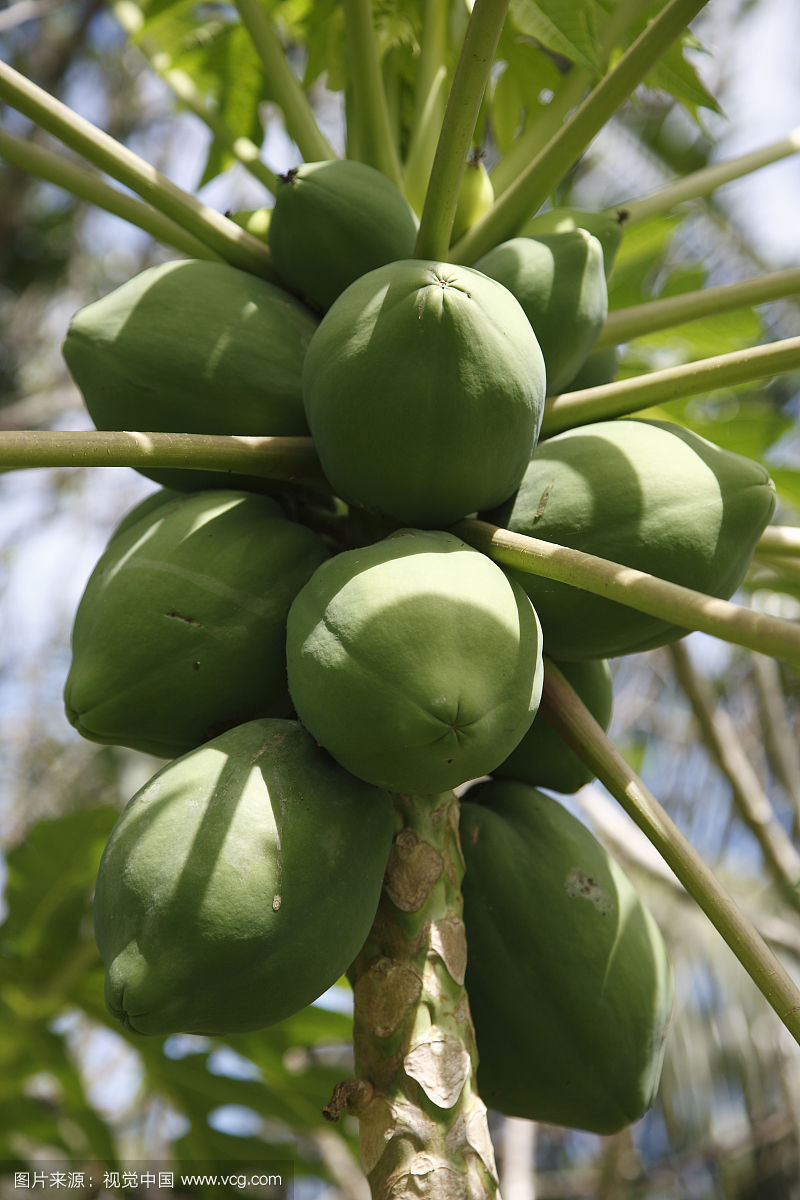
x,y
423,1127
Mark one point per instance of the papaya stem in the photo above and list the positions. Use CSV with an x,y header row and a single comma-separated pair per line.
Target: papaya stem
x,y
749,797
626,323
563,708
429,103
532,187
545,124
53,168
298,115
659,387
243,149
458,126
375,140
646,593
270,457
706,181
234,244
423,1127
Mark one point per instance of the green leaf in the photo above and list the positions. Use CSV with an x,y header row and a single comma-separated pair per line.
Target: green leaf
x,y
567,27
677,76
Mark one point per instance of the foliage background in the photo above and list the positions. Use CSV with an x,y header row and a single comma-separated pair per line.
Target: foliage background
x,y
727,1122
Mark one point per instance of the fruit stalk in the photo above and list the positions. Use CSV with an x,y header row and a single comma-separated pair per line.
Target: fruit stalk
x,y
229,240
646,593
532,187
458,127
85,185
375,140
424,1128
659,387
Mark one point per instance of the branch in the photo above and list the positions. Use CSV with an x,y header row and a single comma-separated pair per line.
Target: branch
x,y
226,238
243,149
460,117
298,115
271,457
53,168
749,797
570,717
525,196
374,137
626,323
659,387
707,180
669,601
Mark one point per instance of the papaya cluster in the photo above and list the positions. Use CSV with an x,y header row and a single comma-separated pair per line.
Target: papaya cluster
x,y
301,656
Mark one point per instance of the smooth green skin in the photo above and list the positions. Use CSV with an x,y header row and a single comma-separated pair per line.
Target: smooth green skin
x,y
543,758
181,629
414,662
606,227
602,366
193,347
569,981
647,494
238,884
424,391
334,221
559,280
475,198
254,220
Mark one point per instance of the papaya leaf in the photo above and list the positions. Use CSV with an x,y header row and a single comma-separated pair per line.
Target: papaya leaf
x,y
567,27
677,76
50,878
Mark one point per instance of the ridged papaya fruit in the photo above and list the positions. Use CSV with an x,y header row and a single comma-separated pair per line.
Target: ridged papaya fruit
x,y
543,758
334,221
475,197
193,347
607,227
181,629
569,981
647,494
413,662
559,280
424,390
238,884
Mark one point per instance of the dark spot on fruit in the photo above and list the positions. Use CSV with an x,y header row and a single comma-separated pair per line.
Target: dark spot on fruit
x,y
176,616
542,505
195,666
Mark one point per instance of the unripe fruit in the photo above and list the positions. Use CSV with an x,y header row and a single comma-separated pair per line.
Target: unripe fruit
x,y
238,884
647,494
193,347
607,227
569,981
181,629
543,758
414,662
424,390
475,197
559,280
334,221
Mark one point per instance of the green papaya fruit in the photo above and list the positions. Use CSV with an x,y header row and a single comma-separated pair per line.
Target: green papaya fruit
x,y
181,629
413,662
607,227
475,197
193,347
543,758
334,221
602,366
647,494
559,280
254,220
424,391
569,981
238,884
